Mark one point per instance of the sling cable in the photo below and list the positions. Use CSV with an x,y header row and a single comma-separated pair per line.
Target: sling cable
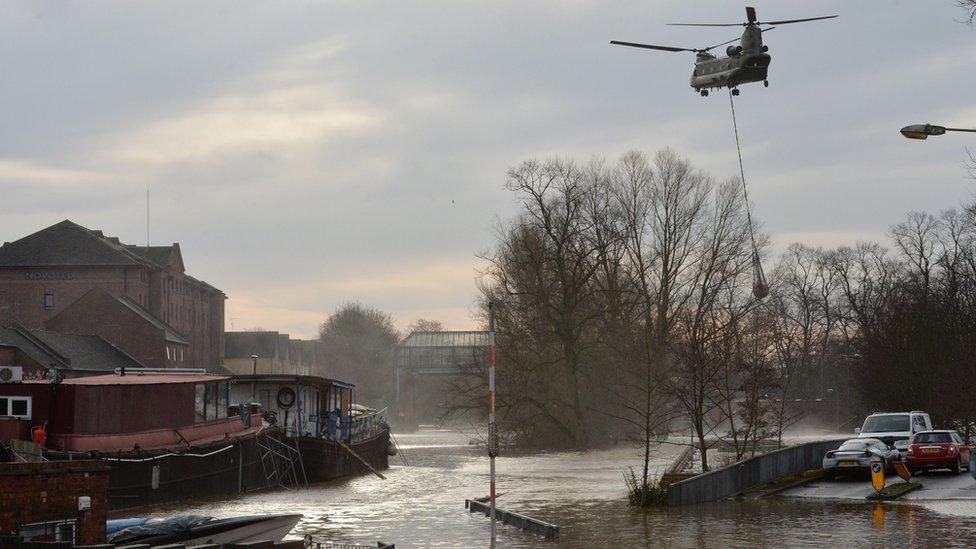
x,y
760,288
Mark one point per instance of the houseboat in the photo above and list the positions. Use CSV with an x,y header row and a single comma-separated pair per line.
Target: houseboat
x,y
317,415
166,435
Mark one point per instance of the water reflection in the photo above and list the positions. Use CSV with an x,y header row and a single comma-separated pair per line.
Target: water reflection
x,y
423,506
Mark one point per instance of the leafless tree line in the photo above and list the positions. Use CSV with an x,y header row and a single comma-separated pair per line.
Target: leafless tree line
x,y
624,311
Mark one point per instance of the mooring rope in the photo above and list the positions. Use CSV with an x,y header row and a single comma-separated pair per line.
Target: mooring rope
x,y
756,263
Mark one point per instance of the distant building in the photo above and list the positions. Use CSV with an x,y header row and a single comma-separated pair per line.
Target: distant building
x,y
423,365
42,274
276,353
37,351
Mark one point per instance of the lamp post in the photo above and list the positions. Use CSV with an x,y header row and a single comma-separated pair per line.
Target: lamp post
x,y
923,131
254,371
492,428
836,405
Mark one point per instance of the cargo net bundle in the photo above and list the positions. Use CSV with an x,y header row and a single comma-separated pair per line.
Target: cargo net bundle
x,y
760,288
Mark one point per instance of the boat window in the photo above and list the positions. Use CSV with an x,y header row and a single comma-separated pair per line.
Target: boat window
x,y
16,407
222,400
211,401
265,399
201,403
886,424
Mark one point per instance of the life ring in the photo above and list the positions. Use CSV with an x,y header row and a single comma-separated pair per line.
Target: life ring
x,y
286,397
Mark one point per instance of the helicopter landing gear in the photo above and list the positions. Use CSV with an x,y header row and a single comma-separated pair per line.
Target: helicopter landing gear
x,y
766,83
704,93
735,91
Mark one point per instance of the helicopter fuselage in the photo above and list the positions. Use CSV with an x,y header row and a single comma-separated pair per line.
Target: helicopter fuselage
x,y
730,71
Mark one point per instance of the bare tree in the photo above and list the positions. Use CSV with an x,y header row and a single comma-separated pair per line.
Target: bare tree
x,y
719,283
970,7
424,325
358,343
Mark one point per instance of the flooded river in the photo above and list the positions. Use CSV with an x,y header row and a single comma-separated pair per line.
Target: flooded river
x,y
422,505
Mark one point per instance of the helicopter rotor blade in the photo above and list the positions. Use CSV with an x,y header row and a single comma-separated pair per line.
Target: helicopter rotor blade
x,y
707,24
752,22
787,21
767,30
722,44
650,46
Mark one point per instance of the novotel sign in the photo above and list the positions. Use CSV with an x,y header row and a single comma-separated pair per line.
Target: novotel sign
x,y
47,275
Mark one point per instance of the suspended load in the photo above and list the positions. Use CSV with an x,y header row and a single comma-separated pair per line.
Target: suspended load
x,y
760,288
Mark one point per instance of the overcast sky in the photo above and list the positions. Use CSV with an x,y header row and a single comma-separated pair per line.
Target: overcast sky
x,y
305,154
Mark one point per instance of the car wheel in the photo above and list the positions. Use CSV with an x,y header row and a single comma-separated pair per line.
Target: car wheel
x,y
957,466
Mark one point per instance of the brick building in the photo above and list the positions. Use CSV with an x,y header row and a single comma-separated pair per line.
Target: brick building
x,y
133,329
73,355
44,273
55,501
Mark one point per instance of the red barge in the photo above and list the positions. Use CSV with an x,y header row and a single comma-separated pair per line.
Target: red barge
x,y
172,435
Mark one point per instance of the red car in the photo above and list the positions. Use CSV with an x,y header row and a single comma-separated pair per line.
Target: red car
x,y
937,450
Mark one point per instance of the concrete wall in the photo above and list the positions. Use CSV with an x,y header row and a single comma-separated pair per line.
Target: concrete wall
x,y
728,481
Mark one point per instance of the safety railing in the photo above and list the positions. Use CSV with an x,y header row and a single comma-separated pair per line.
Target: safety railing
x,y
728,481
367,426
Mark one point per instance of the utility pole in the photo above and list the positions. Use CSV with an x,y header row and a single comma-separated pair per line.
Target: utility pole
x,y
492,428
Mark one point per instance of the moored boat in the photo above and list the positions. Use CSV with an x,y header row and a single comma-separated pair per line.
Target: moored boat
x,y
200,530
166,435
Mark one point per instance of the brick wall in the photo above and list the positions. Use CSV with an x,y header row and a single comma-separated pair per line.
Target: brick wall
x,y
193,309
48,491
22,290
101,314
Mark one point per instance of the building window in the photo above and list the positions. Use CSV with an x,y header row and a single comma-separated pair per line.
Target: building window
x,y
168,357
18,407
62,531
48,302
181,355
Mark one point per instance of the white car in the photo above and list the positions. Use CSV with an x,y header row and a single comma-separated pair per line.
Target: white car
x,y
895,428
855,456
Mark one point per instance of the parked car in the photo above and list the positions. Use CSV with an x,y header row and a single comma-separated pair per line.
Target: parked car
x,y
938,449
895,428
855,456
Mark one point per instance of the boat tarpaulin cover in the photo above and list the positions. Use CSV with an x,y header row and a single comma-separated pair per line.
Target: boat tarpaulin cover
x,y
159,527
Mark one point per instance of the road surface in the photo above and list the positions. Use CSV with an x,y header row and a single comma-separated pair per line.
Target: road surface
x,y
937,485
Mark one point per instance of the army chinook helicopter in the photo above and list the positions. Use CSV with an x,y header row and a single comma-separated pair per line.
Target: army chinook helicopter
x,y
744,63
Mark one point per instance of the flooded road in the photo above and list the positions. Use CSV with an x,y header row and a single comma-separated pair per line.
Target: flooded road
x,y
422,505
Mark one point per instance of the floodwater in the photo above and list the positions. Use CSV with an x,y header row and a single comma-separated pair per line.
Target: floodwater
x,y
422,505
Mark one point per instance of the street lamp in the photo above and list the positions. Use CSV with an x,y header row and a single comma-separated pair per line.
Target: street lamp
x,y
836,406
923,131
254,371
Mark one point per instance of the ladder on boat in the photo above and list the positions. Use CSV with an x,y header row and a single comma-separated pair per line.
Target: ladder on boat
x,y
281,463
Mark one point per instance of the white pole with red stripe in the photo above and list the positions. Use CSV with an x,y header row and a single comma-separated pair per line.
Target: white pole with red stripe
x,y
492,429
